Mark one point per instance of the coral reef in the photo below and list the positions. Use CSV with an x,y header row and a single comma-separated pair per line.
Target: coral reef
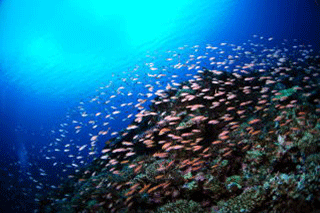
x,y
220,142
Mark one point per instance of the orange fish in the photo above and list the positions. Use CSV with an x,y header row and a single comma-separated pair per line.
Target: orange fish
x,y
216,142
145,188
160,155
164,130
166,145
254,121
227,153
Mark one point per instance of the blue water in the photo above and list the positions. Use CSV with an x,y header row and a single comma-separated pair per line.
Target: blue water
x,y
55,54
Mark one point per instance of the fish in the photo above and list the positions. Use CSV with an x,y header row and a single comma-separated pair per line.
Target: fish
x,y
185,114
